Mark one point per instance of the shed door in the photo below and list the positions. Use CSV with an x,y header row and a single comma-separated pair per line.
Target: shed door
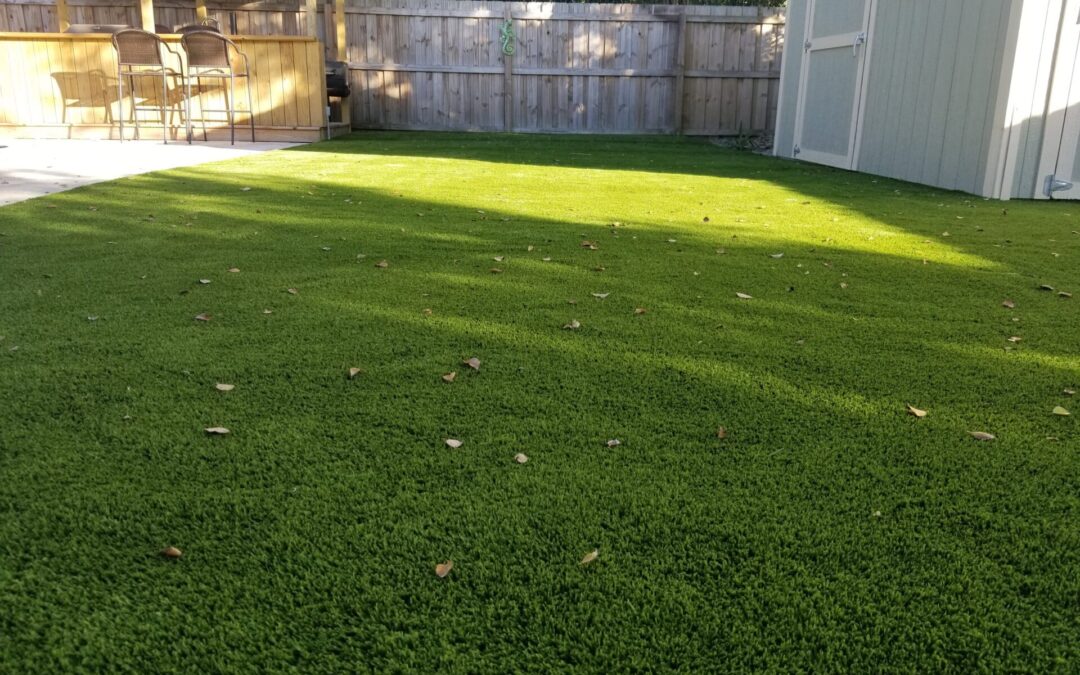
x,y
831,81
1060,169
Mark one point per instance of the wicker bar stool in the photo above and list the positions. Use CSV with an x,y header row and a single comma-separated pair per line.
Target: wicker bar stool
x,y
139,55
210,55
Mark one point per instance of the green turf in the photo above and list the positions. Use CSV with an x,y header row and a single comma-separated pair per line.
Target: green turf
x,y
829,531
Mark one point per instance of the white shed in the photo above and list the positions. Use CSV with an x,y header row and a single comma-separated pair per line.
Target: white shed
x,y
981,96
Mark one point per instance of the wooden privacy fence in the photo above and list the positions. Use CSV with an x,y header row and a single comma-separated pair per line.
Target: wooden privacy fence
x,y
438,64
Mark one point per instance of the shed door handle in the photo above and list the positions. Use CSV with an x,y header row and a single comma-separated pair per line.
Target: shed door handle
x,y
860,39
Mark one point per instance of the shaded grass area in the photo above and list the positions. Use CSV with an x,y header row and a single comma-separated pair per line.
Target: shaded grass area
x,y
828,531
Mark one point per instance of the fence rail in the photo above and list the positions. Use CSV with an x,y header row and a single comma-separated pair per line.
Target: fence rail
x,y
439,64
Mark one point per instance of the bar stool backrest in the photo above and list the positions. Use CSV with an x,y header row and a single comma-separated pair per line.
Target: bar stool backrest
x,y
206,49
136,47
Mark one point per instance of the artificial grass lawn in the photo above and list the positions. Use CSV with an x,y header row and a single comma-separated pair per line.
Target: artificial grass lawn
x,y
828,531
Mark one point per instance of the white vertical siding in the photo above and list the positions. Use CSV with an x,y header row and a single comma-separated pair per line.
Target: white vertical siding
x,y
932,84
794,36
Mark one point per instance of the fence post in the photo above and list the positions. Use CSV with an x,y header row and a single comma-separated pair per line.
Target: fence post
x,y
146,10
508,77
680,72
62,15
311,17
200,11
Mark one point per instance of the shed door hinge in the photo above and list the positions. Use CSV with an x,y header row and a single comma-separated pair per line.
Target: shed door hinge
x,y
796,151
1052,185
806,46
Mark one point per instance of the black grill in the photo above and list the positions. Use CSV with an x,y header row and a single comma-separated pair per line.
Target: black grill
x,y
337,79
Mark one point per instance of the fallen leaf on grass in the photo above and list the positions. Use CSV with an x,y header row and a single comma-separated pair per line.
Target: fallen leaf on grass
x,y
473,363
614,443
1014,339
521,458
546,259
171,552
245,189
589,245
382,264
638,311
204,281
292,291
573,325
590,556
776,255
1046,287
744,296
442,569
453,443
268,311
427,312
1008,304
202,317
217,431
234,270
721,433
1069,392
912,410
982,436
495,270
353,372
1063,294
499,258
1058,410
600,296
224,387
449,377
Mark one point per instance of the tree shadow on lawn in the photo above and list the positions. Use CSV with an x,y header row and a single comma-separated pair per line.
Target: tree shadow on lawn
x,y
809,377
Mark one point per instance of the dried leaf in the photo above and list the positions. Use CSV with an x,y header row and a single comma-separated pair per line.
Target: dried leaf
x,y
1046,287
912,410
1063,294
202,317
721,432
600,296
776,255
495,270
473,363
1008,304
292,291
744,296
268,311
449,377
1069,392
217,431
614,443
1058,410
530,248
204,281
245,189
224,387
1015,338
442,569
353,372
638,311
589,245
573,325
427,311
843,284
982,436
521,458
171,552
499,258
546,259
382,264
590,556
234,270
453,443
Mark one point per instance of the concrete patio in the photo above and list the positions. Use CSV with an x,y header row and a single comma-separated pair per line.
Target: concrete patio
x,y
32,168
